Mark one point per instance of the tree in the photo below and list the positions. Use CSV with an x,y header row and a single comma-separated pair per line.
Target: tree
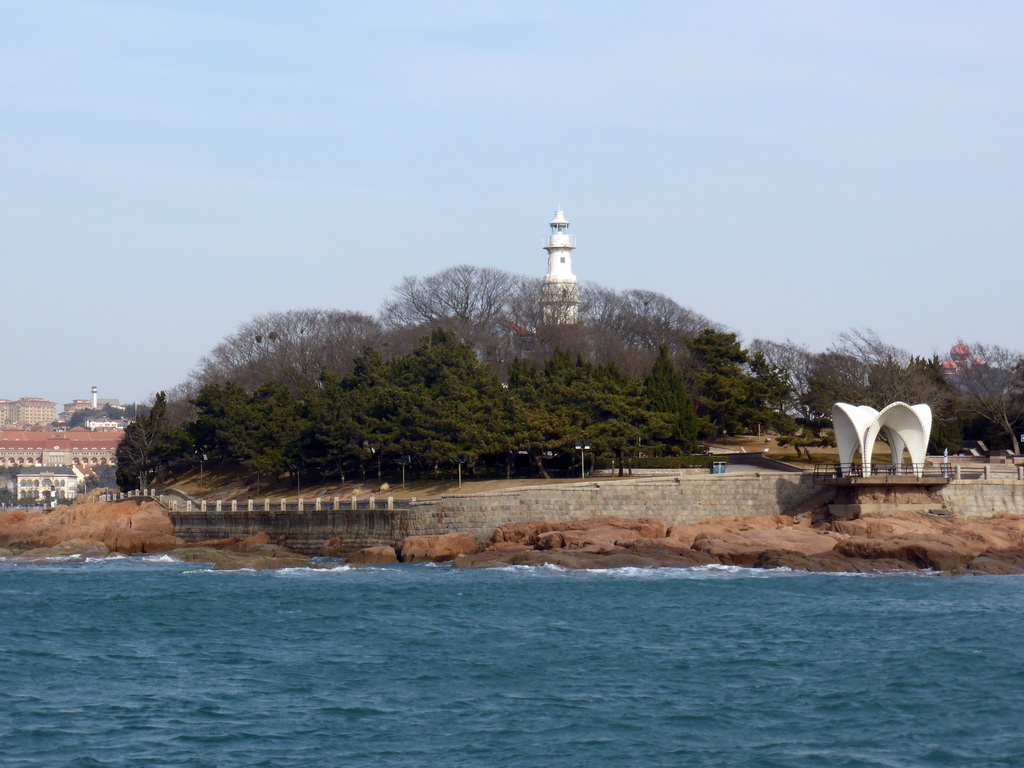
x,y
330,426
893,374
804,439
792,361
274,430
289,347
148,444
546,410
222,418
835,377
463,299
991,387
444,402
644,319
771,398
665,392
725,386
620,416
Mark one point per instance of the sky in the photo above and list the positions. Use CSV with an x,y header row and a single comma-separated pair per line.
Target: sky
x,y
792,170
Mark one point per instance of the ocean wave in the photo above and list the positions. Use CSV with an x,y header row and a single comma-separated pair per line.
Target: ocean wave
x,y
274,572
76,558
699,572
312,571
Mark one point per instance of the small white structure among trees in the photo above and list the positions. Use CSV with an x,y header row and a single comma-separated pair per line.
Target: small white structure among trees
x,y
905,427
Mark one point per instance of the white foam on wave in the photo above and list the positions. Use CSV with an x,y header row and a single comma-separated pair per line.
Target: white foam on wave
x,y
700,572
311,571
158,559
53,559
274,572
104,559
527,570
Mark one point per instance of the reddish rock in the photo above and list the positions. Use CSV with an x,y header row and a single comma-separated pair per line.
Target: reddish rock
x,y
252,543
577,560
270,558
549,540
436,549
124,527
578,534
829,562
672,557
80,547
333,547
891,524
602,548
745,546
917,551
373,556
489,558
218,543
508,547
1001,564
996,534
237,543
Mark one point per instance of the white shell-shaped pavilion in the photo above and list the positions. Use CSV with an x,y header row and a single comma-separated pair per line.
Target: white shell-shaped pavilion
x,y
906,427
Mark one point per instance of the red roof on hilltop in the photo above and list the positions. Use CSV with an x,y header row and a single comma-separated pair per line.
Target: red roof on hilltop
x,y
73,439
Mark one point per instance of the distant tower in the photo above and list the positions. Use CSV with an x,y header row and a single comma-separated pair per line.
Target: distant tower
x,y
95,402
560,296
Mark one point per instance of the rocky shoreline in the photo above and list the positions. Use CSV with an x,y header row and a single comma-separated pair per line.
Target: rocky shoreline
x,y
876,542
99,529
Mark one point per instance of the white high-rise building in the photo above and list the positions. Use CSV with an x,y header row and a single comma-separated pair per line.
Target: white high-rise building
x,y
560,295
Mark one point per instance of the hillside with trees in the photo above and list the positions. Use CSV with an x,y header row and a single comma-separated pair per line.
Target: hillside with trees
x,y
459,363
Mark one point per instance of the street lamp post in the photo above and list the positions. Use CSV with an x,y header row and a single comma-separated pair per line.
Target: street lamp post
x,y
460,459
583,446
404,460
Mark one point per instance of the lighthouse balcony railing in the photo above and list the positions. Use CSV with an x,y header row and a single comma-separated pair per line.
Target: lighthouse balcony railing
x,y
560,241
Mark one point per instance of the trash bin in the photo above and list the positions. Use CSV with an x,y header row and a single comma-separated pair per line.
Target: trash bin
x,y
718,468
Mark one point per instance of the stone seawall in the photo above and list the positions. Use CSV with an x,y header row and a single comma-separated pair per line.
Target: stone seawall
x,y
983,498
685,499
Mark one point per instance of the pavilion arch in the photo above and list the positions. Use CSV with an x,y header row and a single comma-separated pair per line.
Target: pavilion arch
x,y
906,427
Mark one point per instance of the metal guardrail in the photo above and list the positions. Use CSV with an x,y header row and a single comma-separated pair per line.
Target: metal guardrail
x,y
948,472
837,471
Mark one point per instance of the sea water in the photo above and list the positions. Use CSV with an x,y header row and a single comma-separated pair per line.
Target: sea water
x,y
149,662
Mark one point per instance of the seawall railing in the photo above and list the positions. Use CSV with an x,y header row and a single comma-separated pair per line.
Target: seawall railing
x,y
265,505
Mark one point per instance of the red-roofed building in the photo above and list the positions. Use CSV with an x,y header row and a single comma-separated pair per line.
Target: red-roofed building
x,y
959,360
76,447
27,411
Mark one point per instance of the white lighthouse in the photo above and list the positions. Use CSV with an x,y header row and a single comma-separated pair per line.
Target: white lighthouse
x,y
560,296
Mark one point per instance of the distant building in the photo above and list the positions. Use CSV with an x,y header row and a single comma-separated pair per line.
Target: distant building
x,y
74,448
93,404
28,411
106,424
75,406
959,360
51,483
